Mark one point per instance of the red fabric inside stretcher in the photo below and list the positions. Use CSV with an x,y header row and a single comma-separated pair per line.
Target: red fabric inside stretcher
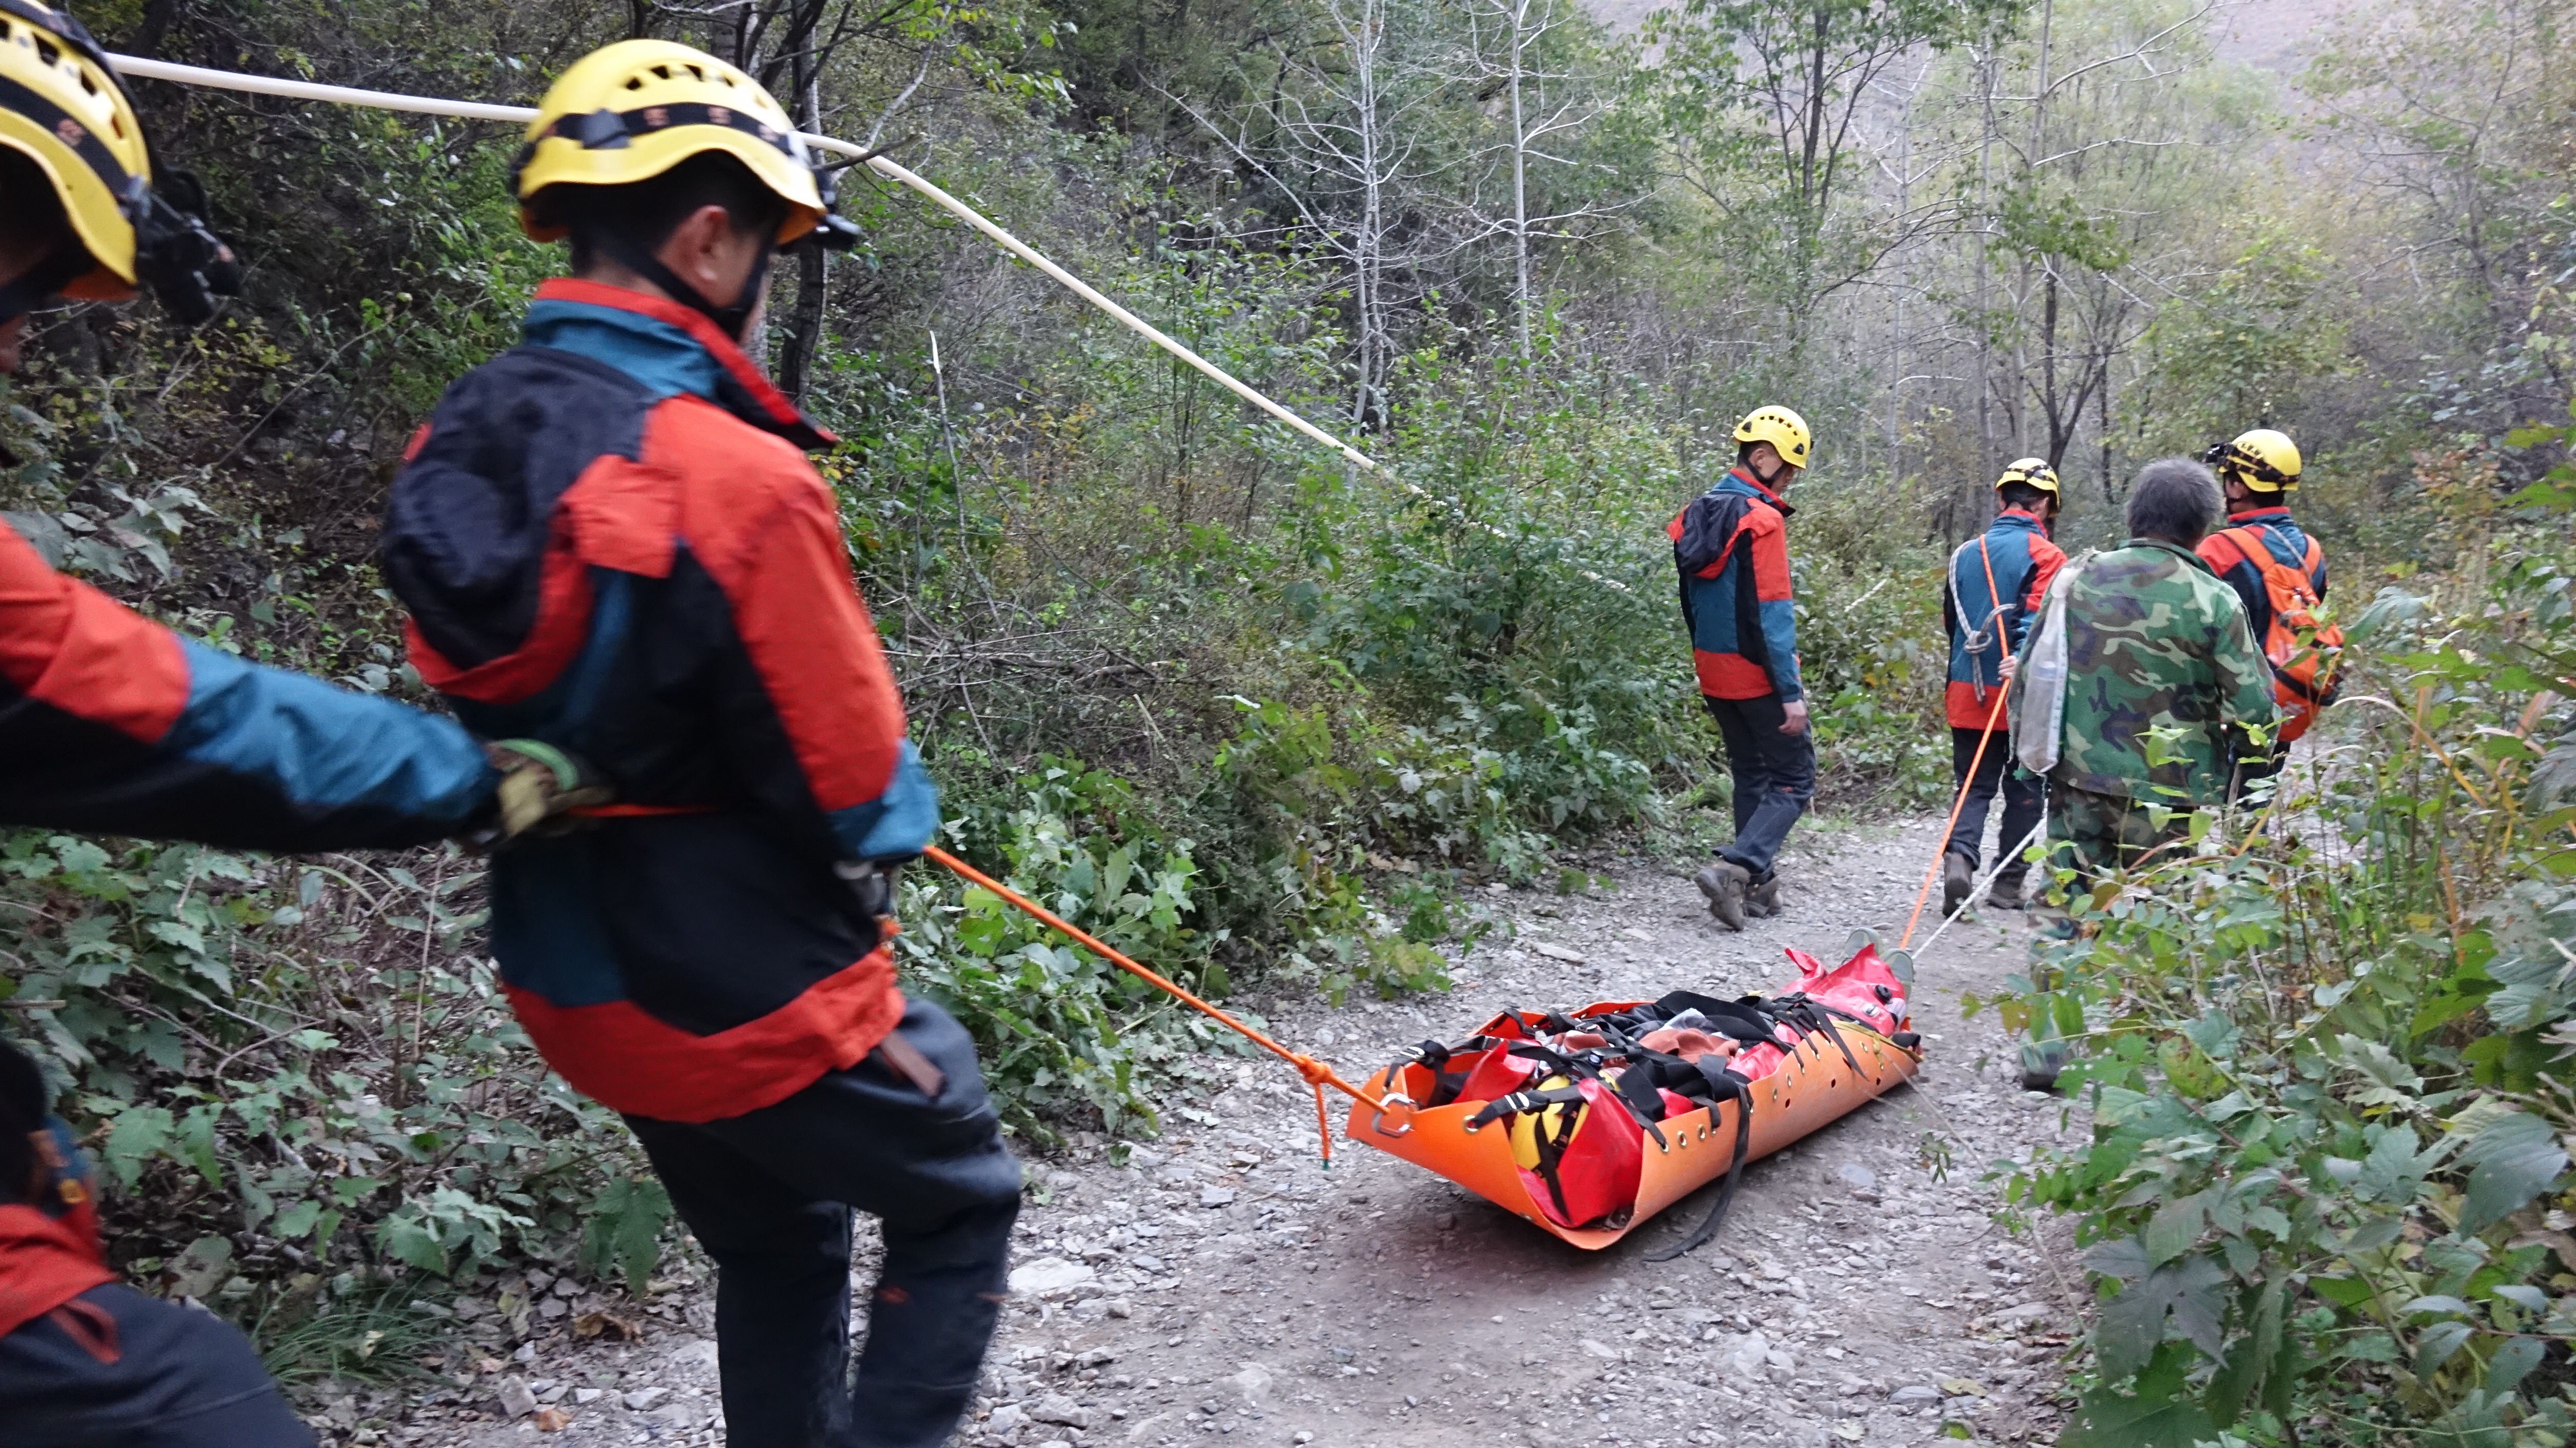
x,y
1598,1173
1500,1074
1854,988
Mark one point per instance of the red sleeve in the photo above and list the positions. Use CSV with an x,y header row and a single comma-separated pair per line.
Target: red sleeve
x,y
815,649
2220,552
66,644
2045,559
1770,554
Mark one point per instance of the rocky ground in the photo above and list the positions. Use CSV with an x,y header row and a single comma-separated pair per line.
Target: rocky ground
x,y
1220,1282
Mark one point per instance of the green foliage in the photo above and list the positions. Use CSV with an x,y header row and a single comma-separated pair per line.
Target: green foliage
x,y
1060,1031
294,1067
2256,335
2327,1055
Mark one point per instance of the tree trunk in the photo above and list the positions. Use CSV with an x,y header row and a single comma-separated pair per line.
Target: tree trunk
x,y
805,324
1520,183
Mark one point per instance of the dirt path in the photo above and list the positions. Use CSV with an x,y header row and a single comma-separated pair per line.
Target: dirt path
x,y
1220,1283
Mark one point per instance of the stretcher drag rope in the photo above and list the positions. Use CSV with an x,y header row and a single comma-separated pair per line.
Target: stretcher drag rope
x,y
2003,861
1941,849
1317,1074
479,111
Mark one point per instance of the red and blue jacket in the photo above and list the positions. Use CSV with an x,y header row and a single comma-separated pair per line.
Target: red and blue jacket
x,y
2288,545
610,539
1998,580
1731,546
113,724
49,1244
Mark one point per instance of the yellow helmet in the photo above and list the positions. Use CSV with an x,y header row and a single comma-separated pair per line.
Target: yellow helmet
x,y
1778,426
62,107
2034,472
2264,460
630,111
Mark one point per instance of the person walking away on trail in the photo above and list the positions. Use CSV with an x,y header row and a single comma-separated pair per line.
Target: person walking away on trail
x,y
2279,574
2164,688
609,538
1995,585
111,723
1731,547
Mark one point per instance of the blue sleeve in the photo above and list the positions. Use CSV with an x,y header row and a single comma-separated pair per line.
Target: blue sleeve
x,y
338,769
1780,641
897,824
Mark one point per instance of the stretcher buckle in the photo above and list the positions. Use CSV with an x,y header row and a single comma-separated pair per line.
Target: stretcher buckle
x,y
1396,1102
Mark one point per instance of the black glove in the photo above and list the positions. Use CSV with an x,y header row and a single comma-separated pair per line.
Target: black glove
x,y
871,885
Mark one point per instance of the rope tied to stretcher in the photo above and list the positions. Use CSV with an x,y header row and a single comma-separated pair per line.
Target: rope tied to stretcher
x,y
1968,781
1317,1074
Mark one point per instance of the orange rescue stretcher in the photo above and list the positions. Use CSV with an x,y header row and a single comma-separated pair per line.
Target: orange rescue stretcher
x,y
1586,1124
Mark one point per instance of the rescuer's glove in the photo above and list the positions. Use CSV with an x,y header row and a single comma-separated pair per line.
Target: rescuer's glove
x,y
541,786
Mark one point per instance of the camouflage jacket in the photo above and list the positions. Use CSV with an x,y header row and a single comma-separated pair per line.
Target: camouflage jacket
x,y
2155,640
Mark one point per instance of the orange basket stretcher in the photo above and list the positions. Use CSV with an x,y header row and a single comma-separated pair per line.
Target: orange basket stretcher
x,y
1842,1043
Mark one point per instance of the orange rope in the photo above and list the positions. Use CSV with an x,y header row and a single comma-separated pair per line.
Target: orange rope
x,y
1317,1074
1956,805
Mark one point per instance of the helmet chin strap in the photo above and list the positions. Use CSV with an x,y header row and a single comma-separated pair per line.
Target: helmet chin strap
x,y
730,320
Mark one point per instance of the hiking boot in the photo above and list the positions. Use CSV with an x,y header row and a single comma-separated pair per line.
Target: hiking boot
x,y
1958,881
2041,1063
2007,894
1724,883
1762,900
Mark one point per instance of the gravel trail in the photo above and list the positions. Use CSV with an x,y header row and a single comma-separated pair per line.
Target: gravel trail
x,y
1220,1284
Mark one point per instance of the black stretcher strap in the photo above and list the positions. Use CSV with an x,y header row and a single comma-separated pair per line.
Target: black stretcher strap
x,y
1741,1093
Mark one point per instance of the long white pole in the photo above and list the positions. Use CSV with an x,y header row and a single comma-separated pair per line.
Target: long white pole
x,y
476,111
342,95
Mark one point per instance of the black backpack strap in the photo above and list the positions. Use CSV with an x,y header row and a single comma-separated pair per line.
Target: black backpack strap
x,y
1520,1101
1446,1083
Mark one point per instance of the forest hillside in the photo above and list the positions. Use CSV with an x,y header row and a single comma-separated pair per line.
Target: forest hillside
x,y
1274,723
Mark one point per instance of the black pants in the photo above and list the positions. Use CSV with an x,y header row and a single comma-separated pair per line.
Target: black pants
x,y
117,1369
2022,792
769,1194
1775,776
2253,769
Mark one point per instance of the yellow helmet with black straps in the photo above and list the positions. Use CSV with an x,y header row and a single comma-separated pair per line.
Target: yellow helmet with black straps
x,y
630,111
1786,431
62,107
2263,460
2032,472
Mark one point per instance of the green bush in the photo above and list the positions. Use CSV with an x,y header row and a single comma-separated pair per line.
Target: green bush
x,y
2327,1052
294,1067
1061,1033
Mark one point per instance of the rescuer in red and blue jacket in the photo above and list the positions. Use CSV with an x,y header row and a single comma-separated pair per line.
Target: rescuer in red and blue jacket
x,y
1731,548
610,539
2258,470
1995,586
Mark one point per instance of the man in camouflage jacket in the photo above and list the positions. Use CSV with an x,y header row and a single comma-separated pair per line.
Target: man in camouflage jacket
x,y
2164,681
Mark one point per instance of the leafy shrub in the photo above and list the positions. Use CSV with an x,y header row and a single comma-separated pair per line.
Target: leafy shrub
x,y
2328,1053
1061,1032
294,1067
